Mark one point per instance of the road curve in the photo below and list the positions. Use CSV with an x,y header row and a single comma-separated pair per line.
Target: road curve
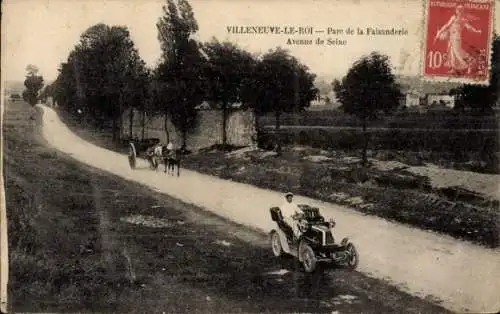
x,y
461,275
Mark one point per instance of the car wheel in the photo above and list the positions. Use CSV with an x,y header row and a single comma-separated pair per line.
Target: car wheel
x,y
353,261
276,244
308,258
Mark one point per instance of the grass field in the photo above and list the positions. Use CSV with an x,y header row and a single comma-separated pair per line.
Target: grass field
x,y
474,150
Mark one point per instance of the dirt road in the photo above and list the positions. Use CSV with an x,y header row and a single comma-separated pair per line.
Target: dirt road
x,y
459,274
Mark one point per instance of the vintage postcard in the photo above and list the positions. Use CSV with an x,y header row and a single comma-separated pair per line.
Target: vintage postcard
x,y
217,156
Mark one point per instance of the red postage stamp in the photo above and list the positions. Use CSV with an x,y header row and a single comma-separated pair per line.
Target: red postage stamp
x,y
457,40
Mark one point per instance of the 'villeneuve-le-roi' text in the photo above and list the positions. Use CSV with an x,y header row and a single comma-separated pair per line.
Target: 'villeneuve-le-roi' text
x,y
309,30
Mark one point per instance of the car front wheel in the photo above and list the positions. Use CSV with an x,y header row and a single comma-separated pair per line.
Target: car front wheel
x,y
308,258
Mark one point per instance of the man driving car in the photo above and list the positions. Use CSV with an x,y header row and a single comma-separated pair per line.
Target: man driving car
x,y
290,212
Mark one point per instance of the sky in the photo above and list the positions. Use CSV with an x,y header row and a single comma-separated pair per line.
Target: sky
x,y
43,32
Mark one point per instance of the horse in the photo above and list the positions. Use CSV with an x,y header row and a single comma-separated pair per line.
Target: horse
x,y
154,154
171,159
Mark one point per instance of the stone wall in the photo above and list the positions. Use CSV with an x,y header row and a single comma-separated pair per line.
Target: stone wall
x,y
240,128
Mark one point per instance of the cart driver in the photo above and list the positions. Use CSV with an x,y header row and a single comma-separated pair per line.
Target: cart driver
x,y
290,212
170,149
157,149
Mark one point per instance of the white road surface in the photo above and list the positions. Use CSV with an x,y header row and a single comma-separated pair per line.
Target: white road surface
x,y
464,276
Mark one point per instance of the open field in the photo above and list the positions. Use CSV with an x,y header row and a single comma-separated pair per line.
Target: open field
x,y
84,240
461,141
474,150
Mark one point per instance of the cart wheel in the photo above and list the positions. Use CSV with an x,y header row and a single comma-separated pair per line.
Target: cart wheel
x,y
132,156
307,257
276,244
353,261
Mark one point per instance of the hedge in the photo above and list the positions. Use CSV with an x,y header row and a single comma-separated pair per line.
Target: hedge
x,y
457,142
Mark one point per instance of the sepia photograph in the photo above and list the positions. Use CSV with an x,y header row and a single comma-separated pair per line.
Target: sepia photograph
x,y
217,156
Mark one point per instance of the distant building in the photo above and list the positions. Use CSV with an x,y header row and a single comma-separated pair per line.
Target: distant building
x,y
323,100
410,99
206,105
203,106
440,100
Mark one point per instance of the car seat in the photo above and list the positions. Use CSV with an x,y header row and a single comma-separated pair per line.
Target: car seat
x,y
277,217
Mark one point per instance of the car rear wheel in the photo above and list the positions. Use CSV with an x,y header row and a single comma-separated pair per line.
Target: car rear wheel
x,y
353,261
276,244
308,258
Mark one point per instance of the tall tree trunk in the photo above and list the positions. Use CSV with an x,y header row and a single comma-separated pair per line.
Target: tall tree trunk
x,y
257,127
184,139
131,123
165,126
364,159
113,127
224,125
120,118
277,132
143,124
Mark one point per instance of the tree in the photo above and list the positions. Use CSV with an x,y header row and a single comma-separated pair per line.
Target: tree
x,y
228,68
103,76
280,83
369,88
481,98
33,84
180,72
65,87
157,96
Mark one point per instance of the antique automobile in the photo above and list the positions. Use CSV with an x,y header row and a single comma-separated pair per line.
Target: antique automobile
x,y
316,243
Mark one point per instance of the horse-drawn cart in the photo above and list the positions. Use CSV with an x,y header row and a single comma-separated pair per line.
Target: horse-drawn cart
x,y
138,148
154,153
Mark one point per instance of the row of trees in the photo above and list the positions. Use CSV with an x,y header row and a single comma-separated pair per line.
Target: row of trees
x,y
104,75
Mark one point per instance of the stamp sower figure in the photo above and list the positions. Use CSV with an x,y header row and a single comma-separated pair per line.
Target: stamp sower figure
x,y
458,59
290,211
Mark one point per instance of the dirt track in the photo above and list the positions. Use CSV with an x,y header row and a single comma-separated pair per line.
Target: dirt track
x,y
460,274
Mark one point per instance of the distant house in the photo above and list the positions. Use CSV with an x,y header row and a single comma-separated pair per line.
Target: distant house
x,y
323,100
15,97
410,99
206,105
318,102
203,106
440,100
236,105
